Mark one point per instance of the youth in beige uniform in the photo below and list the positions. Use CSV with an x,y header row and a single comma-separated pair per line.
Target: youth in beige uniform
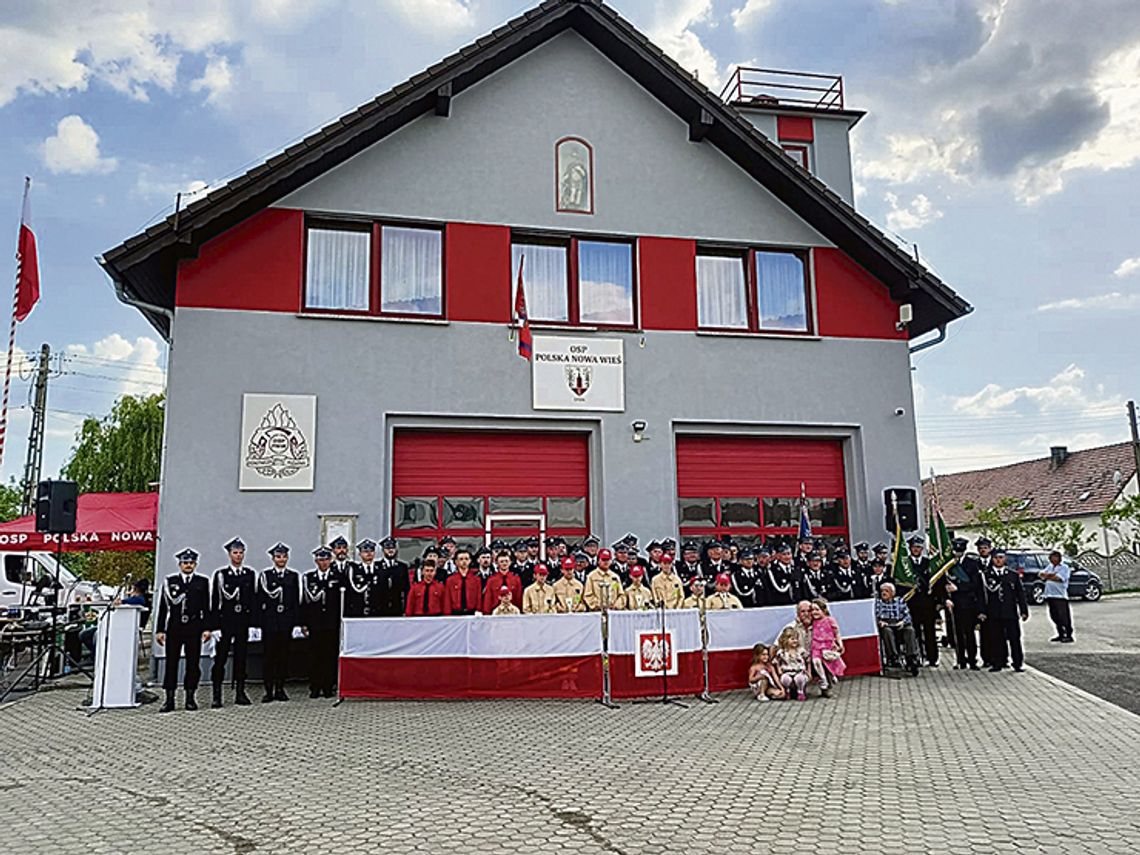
x,y
723,598
568,590
667,586
538,599
636,597
603,584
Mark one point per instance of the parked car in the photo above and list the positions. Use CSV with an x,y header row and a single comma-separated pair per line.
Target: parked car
x,y
1083,583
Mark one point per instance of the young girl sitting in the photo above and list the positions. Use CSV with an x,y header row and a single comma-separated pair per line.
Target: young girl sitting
x,y
826,647
763,678
790,659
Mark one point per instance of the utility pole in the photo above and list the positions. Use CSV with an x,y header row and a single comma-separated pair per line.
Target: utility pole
x,y
36,434
1135,435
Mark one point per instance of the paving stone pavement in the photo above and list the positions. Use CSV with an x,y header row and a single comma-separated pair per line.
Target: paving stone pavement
x,y
955,762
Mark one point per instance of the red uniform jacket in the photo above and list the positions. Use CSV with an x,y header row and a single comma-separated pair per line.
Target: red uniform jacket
x,y
436,597
458,585
495,583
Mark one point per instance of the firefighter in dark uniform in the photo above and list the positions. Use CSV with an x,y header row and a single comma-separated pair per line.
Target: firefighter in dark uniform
x,y
1005,608
924,602
340,559
522,564
690,564
864,583
232,603
391,581
804,552
361,582
182,624
781,585
965,587
278,605
844,578
814,584
321,592
746,581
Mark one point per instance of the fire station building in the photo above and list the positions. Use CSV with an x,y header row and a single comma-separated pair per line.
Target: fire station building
x,y
714,324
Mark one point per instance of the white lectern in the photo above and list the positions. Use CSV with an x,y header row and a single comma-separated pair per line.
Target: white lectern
x,y
116,658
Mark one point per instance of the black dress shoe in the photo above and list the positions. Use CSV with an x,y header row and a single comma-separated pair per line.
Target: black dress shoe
x,y
168,705
1019,669
994,669
974,667
313,693
328,693
280,695
268,698
191,704
1068,640
1056,638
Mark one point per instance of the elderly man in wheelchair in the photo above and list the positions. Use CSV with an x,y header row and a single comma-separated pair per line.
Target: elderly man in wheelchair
x,y
896,631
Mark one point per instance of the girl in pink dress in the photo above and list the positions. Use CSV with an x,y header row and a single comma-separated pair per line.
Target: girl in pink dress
x,y
826,647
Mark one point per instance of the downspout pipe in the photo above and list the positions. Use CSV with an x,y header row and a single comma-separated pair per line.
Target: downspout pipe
x,y
938,339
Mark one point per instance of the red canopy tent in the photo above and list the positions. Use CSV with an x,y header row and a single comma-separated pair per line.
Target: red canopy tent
x,y
113,522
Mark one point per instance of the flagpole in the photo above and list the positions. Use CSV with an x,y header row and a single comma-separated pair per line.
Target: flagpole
x,y
11,339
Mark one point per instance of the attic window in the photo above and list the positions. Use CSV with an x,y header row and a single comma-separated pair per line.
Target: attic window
x,y
1023,504
1084,496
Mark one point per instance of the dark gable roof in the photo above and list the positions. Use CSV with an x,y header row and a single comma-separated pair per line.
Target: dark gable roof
x,y
1052,491
146,264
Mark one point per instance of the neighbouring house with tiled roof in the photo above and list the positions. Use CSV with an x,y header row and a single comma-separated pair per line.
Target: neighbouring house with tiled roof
x,y
1065,486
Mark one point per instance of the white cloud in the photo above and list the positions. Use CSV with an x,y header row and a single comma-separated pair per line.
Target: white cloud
x,y
672,31
132,46
1112,301
75,149
1128,267
750,14
920,212
155,182
1067,391
216,79
430,16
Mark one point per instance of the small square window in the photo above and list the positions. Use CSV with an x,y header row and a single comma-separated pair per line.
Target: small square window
x,y
740,512
416,512
781,513
411,548
515,505
565,512
463,512
695,513
826,513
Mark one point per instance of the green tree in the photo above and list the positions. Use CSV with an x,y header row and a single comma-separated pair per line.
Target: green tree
x,y
11,499
1008,523
121,452
1123,519
1069,536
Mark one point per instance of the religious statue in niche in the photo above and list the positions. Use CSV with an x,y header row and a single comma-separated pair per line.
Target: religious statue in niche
x,y
574,164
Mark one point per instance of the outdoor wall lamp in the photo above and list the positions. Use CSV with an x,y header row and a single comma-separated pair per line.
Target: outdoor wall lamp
x,y
639,426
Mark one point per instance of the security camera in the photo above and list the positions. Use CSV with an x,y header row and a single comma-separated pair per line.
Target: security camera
x,y
900,412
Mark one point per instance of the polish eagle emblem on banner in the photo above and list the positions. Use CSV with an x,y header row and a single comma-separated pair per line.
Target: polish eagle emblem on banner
x,y
578,379
277,449
655,654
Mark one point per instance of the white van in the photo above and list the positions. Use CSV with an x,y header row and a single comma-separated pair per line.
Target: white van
x,y
27,579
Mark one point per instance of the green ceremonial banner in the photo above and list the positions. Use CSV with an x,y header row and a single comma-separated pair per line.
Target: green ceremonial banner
x,y
938,538
901,568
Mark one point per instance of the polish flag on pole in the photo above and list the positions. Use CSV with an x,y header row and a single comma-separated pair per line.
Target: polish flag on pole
x,y
26,296
526,344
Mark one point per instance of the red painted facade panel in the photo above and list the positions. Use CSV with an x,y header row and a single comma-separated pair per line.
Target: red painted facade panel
x,y
748,466
257,265
478,263
795,129
668,278
851,303
493,463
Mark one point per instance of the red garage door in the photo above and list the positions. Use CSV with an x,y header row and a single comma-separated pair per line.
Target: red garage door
x,y
750,488
446,482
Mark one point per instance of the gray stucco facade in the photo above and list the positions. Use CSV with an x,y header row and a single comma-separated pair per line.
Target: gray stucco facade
x,y
491,162
363,375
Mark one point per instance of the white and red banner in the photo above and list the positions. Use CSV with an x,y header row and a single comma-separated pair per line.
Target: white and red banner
x,y
510,656
639,646
732,635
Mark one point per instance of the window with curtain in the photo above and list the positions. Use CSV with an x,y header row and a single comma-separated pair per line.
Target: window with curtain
x,y
722,293
337,265
411,271
781,292
605,282
545,280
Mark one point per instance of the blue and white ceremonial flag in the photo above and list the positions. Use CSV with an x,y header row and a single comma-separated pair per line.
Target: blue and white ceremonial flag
x,y
805,521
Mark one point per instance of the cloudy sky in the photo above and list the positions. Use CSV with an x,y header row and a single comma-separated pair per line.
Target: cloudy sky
x,y
1003,138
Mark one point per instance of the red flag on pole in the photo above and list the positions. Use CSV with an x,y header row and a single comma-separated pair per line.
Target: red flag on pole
x,y
27,263
26,296
526,344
